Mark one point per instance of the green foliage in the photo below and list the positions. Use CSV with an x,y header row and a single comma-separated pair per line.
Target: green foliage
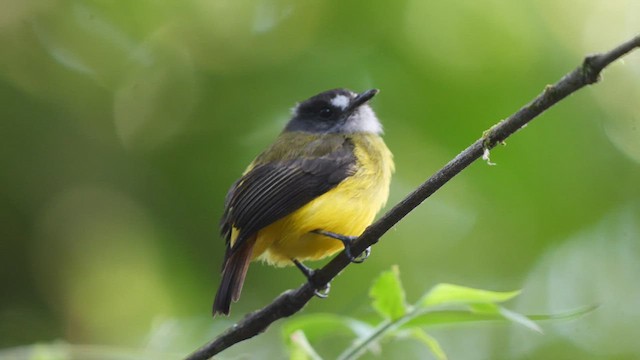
x,y
124,123
447,294
444,304
388,295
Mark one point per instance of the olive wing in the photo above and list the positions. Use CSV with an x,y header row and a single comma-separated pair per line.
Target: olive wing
x,y
271,191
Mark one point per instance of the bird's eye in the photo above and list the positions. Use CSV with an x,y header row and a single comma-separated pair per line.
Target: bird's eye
x,y
326,112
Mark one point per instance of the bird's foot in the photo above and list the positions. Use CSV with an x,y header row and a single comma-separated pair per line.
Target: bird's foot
x,y
362,257
324,292
347,241
321,292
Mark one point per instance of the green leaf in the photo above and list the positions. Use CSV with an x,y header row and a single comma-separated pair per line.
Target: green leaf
x,y
430,342
520,319
452,317
300,349
485,308
388,295
567,315
449,317
448,294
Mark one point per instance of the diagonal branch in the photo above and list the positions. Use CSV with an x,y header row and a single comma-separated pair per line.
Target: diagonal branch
x,y
293,301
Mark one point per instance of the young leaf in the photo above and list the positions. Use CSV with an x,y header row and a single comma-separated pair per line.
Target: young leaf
x,y
568,315
454,317
430,342
449,317
448,294
520,319
388,295
485,308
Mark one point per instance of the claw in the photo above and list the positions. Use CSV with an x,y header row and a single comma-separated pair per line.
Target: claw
x,y
324,292
362,257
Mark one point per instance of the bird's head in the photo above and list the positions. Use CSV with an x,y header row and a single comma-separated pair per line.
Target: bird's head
x,y
338,111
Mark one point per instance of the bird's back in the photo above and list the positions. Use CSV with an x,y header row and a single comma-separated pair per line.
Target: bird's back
x,y
346,209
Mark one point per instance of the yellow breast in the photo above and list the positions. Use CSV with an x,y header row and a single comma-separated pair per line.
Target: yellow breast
x,y
346,209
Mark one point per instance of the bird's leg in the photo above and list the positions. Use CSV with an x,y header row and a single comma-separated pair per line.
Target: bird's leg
x,y
308,273
347,241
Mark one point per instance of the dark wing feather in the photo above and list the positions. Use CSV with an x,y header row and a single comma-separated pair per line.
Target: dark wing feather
x,y
272,190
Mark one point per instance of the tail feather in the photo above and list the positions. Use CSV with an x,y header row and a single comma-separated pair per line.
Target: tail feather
x,y
233,275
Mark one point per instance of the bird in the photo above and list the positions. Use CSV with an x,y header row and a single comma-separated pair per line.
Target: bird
x,y
310,193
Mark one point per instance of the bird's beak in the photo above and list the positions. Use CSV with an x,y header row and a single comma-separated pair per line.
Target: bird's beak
x,y
362,98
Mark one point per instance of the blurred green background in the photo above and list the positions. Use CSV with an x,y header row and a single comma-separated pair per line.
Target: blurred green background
x,y
123,123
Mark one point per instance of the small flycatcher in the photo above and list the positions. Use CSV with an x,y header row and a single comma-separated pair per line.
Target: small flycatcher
x,y
308,195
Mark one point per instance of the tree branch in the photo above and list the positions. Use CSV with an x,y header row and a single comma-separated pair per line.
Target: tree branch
x,y
292,301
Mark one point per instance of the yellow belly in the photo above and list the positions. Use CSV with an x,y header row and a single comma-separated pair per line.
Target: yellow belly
x,y
347,209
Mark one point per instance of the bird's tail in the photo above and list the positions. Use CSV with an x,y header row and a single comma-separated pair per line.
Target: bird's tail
x,y
233,274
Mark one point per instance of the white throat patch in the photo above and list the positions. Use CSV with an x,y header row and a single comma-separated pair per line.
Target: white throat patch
x,y
363,120
340,101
